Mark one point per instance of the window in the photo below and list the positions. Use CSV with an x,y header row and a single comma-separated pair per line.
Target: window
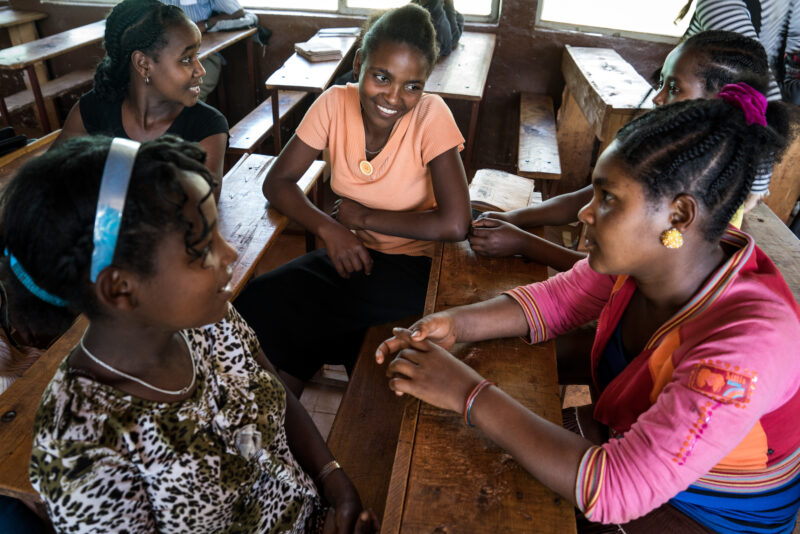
x,y
473,10
632,18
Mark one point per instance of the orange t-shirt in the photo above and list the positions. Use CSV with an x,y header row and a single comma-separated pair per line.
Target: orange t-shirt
x,y
401,179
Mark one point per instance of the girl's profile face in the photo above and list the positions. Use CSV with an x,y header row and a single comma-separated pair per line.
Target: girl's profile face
x,y
187,291
390,83
623,225
178,73
679,80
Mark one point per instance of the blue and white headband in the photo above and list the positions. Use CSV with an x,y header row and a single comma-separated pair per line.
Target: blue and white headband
x,y
111,202
107,218
26,280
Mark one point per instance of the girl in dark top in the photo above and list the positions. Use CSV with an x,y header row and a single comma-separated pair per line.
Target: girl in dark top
x,y
149,82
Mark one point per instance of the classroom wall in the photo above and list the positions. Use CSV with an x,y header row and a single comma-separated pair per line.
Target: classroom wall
x,y
525,59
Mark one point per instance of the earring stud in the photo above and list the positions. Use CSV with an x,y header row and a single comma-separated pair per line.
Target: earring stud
x,y
672,238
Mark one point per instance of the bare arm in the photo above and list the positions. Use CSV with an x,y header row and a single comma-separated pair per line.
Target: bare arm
x,y
345,250
214,145
449,221
313,454
73,126
562,209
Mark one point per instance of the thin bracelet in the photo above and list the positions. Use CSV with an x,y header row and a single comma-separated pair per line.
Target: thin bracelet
x,y
471,399
326,470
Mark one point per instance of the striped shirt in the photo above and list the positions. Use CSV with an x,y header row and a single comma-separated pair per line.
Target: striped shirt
x,y
780,21
198,10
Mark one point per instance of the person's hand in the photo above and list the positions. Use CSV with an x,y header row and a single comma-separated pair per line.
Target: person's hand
x,y
350,213
438,328
345,250
430,373
496,238
498,215
346,514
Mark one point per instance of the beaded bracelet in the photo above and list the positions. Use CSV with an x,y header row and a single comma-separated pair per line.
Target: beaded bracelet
x,y
471,399
326,470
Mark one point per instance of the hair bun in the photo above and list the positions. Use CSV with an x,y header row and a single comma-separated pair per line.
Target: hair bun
x,y
753,103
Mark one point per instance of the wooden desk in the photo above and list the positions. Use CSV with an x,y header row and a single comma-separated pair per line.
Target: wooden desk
x,y
299,74
448,477
777,241
11,163
245,220
462,74
25,56
602,92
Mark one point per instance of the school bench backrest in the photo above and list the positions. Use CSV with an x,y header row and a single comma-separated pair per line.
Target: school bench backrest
x,y
10,163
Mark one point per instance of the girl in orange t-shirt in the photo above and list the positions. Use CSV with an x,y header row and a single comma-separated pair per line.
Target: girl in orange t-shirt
x,y
396,167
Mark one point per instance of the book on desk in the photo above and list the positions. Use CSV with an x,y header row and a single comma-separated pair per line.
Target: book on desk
x,y
493,190
318,50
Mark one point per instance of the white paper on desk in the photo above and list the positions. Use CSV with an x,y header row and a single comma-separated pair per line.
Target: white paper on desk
x,y
339,32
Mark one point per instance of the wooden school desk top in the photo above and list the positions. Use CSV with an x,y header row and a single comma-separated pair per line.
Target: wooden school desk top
x,y
462,73
299,74
448,477
14,17
20,56
245,220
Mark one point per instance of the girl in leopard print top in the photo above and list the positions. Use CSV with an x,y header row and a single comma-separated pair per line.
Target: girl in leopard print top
x,y
167,417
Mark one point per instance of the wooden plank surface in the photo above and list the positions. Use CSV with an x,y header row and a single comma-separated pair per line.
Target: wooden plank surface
x,y
10,163
251,131
363,438
52,88
20,56
299,74
15,17
777,241
462,73
604,85
214,42
245,220
538,145
450,478
784,187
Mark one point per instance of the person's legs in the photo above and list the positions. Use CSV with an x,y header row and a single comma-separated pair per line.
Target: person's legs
x,y
213,66
16,517
305,314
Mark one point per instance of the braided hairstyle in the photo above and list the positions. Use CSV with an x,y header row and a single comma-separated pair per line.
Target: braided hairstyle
x,y
132,25
703,148
729,57
48,212
410,25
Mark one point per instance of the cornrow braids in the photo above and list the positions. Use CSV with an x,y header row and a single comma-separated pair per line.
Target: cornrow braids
x,y
410,25
703,148
132,25
729,57
48,212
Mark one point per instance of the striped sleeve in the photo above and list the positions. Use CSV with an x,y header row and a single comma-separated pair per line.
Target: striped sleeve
x,y
563,302
591,472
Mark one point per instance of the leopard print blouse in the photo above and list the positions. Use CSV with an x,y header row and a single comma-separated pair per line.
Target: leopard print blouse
x,y
105,461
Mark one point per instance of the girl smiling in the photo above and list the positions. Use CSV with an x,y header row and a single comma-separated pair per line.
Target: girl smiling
x,y
149,83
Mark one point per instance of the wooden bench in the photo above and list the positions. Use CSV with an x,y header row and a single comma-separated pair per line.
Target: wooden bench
x,y
245,220
538,145
777,241
10,163
250,132
602,92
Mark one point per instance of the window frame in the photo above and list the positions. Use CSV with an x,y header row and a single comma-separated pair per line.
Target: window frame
x,y
597,30
492,18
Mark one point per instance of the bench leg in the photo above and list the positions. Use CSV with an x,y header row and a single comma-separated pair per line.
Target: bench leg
x,y
276,121
37,95
473,126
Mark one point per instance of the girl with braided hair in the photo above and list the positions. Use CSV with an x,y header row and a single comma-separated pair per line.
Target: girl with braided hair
x,y
697,68
148,84
695,357
167,416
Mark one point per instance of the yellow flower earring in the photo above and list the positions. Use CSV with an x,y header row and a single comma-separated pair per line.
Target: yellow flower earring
x,y
672,238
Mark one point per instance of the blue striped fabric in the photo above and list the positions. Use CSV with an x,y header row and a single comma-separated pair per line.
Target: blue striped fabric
x,y
202,9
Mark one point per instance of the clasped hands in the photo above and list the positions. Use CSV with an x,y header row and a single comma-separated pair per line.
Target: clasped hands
x,y
347,253
492,234
423,367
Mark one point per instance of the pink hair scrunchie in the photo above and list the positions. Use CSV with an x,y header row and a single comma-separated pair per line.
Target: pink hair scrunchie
x,y
752,102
